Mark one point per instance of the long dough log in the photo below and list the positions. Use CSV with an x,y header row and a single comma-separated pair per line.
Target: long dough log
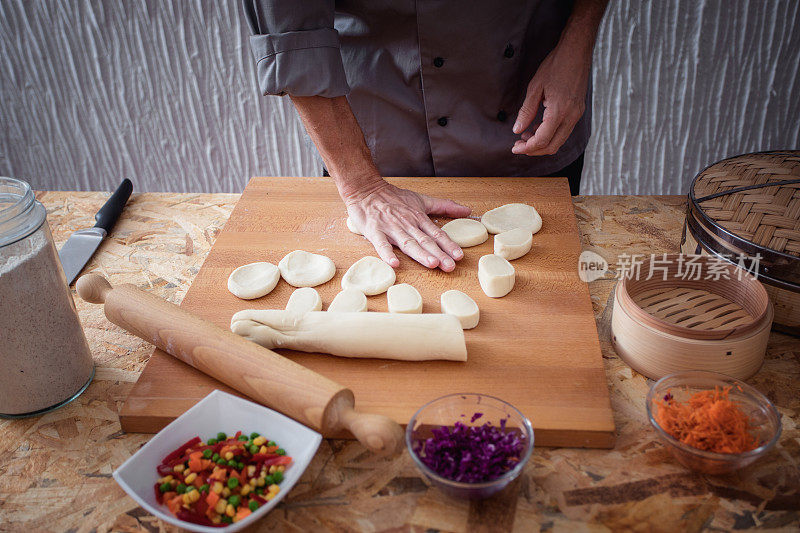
x,y
380,335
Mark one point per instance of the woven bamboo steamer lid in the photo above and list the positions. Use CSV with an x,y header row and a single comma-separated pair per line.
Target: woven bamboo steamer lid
x,y
671,323
750,205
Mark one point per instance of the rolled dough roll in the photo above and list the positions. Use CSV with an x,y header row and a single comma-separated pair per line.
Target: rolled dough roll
x,y
303,300
496,276
462,307
370,275
304,269
349,301
404,298
352,227
254,280
512,216
382,335
513,244
466,232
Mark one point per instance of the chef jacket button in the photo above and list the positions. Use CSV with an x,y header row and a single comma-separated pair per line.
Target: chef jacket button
x,y
438,62
442,121
509,53
502,116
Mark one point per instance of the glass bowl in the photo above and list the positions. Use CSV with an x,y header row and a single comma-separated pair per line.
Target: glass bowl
x,y
461,407
764,416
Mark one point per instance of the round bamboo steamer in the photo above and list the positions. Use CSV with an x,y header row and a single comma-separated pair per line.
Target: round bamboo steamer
x,y
750,204
668,324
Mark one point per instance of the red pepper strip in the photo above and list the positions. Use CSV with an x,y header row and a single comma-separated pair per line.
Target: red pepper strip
x,y
201,506
238,434
258,498
164,470
180,451
159,496
194,518
277,460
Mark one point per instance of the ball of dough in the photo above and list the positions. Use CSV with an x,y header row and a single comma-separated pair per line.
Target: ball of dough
x,y
254,280
304,269
512,216
461,306
496,276
349,301
352,227
466,232
303,300
513,244
369,275
404,298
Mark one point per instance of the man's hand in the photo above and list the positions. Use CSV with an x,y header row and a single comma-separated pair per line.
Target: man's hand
x,y
388,215
560,84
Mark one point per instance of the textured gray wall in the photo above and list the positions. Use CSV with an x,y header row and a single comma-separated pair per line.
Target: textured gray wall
x,y
163,91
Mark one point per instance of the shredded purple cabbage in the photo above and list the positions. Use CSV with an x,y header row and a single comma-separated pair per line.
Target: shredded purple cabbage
x,y
471,454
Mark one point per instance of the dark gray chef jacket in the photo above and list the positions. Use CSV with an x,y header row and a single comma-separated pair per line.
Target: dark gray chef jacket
x,y
434,84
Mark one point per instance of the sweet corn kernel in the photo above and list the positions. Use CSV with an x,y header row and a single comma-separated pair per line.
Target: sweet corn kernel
x,y
259,441
271,495
274,488
178,468
246,490
230,511
229,456
217,487
174,483
226,492
261,481
251,470
190,478
195,496
165,479
263,449
216,520
272,469
187,498
281,468
222,504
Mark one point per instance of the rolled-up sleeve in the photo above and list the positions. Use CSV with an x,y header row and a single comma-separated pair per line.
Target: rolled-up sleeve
x,y
296,48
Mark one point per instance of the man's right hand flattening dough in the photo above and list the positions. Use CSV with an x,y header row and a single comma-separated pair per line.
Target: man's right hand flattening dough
x,y
388,215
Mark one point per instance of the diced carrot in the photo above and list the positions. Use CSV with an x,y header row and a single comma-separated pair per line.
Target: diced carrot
x,y
243,512
195,465
174,503
207,463
212,498
198,482
196,455
220,474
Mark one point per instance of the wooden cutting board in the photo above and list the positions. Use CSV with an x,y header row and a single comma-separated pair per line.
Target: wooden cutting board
x,y
536,348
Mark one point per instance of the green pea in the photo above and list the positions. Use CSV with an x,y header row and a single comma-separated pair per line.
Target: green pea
x,y
233,483
235,500
259,490
272,443
254,435
165,487
181,488
221,461
204,488
190,488
207,453
277,476
211,442
253,505
270,480
226,519
280,451
240,465
242,438
215,457
254,449
221,436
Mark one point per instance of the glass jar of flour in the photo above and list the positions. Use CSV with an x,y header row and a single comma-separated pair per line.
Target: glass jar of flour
x,y
44,359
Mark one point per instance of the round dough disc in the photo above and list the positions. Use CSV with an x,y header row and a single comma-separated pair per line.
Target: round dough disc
x,y
254,280
513,244
404,298
512,216
496,276
349,301
352,227
461,306
303,300
466,232
304,269
370,275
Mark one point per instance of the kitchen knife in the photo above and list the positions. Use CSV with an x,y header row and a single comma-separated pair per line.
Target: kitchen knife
x,y
81,245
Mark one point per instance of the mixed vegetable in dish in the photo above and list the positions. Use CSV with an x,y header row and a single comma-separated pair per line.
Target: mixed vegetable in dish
x,y
222,480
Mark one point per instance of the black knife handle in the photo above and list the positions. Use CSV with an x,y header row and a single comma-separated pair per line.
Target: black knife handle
x,y
112,209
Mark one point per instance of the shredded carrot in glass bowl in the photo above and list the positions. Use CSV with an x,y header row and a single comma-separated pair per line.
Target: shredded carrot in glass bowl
x,y
708,421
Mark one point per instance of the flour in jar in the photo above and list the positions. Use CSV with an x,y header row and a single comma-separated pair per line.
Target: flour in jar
x,y
44,358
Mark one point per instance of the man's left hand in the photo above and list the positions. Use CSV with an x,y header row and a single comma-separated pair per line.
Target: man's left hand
x,y
560,86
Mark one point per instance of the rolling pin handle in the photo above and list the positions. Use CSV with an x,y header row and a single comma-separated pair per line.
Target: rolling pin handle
x,y
93,288
379,433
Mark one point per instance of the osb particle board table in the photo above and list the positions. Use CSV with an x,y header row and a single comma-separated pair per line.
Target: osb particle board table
x,y
55,471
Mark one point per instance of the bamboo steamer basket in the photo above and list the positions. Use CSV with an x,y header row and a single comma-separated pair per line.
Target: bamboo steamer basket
x,y
750,205
671,322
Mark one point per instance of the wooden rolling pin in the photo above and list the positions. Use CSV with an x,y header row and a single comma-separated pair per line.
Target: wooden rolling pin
x,y
253,370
